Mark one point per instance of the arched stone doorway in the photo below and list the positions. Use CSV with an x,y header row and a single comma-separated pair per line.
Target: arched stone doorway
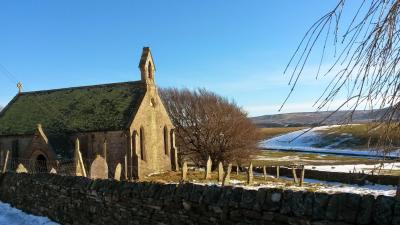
x,y
41,164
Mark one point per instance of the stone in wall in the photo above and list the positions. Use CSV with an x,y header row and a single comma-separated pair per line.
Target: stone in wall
x,y
79,200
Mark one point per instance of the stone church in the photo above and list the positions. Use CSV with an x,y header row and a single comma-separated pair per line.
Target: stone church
x,y
126,124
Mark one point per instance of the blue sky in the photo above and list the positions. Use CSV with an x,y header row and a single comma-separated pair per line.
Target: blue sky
x,y
236,48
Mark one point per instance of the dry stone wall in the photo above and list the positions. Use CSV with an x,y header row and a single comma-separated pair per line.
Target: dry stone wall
x,y
78,200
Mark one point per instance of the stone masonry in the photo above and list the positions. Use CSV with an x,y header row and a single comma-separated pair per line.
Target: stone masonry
x,y
78,200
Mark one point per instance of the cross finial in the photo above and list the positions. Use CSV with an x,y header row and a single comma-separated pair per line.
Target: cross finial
x,y
19,86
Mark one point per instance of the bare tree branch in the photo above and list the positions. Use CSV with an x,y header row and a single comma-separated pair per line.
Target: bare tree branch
x,y
364,64
210,125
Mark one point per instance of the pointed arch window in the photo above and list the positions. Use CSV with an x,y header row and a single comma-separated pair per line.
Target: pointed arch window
x,y
142,144
150,71
166,150
133,142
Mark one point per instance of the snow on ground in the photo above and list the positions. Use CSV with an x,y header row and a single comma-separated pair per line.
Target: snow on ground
x,y
294,158
356,168
304,140
373,189
318,186
13,216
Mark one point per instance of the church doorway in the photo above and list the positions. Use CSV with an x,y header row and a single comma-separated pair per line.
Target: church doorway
x,y
41,164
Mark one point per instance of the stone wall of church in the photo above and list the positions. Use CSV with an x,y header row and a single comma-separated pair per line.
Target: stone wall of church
x,y
92,144
6,143
152,118
78,200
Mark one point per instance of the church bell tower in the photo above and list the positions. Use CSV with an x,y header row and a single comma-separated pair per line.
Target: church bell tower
x,y
147,67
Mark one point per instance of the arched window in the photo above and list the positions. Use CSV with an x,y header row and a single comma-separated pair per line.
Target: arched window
x,y
142,144
134,143
166,150
172,138
150,71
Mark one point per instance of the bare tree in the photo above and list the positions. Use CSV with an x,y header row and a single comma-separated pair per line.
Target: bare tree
x,y
210,125
363,55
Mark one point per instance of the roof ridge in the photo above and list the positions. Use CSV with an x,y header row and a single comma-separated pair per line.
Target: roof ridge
x,y
80,87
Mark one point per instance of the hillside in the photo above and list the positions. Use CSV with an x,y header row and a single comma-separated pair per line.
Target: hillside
x,y
355,139
313,118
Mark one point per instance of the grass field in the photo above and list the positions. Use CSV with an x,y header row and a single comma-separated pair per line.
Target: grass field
x,y
271,132
240,179
358,136
273,158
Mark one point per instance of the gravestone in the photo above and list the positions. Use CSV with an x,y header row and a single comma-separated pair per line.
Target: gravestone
x,y
237,169
54,171
294,174
117,173
5,162
227,178
302,176
21,169
250,176
99,168
79,165
265,172
184,171
220,172
277,171
208,169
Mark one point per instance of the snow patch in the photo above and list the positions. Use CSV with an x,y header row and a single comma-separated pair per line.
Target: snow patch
x,y
358,168
304,140
13,216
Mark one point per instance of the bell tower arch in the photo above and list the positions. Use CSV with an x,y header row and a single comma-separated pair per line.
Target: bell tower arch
x,y
147,67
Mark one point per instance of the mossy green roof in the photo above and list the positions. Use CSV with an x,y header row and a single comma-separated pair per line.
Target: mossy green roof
x,y
105,107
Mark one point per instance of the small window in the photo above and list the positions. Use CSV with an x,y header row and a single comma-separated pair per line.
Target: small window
x,y
152,102
150,71
172,137
142,144
166,150
134,143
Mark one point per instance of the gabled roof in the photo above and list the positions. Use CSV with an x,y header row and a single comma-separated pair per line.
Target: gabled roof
x,y
106,107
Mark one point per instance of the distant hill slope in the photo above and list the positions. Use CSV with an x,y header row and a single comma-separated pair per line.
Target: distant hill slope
x,y
356,139
312,118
